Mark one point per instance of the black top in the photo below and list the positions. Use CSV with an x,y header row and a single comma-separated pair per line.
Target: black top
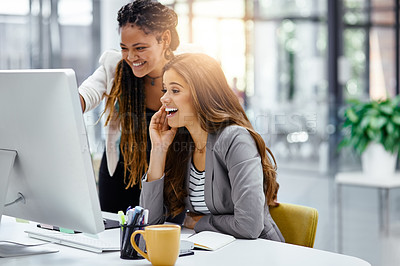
x,y
112,193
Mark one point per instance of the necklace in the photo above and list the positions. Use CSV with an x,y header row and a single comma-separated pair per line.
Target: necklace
x,y
152,80
201,150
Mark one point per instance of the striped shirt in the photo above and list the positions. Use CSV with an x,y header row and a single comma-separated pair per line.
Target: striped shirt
x,y
196,190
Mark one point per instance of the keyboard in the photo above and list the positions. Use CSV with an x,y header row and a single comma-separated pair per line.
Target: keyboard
x,y
79,241
88,243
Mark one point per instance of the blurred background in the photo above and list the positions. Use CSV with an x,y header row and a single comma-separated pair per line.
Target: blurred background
x,y
292,63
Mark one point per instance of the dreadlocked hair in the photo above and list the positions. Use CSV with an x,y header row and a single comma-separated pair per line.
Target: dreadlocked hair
x,y
128,97
126,101
151,17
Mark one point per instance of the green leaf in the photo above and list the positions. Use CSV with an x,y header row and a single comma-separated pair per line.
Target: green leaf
x,y
365,122
374,135
389,144
380,137
362,145
396,119
396,135
390,128
386,108
347,123
372,112
377,122
351,115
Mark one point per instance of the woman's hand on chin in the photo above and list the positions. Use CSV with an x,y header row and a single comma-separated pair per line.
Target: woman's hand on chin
x,y
161,134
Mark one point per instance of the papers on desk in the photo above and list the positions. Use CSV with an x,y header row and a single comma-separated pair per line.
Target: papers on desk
x,y
210,240
12,249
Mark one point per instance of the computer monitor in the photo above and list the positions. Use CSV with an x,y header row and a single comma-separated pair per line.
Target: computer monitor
x,y
45,160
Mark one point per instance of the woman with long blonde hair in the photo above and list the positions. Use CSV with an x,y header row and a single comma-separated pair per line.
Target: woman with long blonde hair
x,y
206,158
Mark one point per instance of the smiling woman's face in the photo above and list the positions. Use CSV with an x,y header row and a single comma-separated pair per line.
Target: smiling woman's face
x,y
178,101
142,51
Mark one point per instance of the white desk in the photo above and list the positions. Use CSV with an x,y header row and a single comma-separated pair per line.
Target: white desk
x,y
383,184
241,252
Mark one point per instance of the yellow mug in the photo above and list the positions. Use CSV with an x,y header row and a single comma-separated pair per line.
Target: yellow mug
x,y
162,243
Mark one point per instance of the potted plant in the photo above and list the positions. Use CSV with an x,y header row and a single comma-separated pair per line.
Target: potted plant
x,y
373,129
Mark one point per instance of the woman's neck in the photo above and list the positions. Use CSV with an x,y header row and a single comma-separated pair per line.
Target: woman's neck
x,y
199,137
153,93
152,80
153,86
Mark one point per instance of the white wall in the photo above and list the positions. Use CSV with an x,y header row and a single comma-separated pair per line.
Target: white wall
x,y
110,38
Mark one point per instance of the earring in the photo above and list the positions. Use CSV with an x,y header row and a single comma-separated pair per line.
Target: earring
x,y
168,54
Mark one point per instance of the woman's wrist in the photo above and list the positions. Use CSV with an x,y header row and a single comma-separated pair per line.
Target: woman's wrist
x,y
159,148
153,175
156,164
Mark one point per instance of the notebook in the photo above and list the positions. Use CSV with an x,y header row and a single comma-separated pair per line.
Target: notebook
x,y
209,240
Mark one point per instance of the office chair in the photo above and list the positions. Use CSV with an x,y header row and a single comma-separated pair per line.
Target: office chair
x,y
298,224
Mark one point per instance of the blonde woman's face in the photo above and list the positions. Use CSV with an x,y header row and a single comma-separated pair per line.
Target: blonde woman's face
x,y
143,53
178,101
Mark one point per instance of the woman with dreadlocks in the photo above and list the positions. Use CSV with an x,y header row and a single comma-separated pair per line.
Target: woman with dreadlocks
x,y
131,82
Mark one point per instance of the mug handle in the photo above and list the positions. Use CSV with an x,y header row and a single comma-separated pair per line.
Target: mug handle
x,y
133,242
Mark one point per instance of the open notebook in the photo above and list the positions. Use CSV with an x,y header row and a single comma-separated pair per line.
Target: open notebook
x,y
210,240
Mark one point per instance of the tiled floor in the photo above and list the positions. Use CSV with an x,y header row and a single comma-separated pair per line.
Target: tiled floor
x,y
362,236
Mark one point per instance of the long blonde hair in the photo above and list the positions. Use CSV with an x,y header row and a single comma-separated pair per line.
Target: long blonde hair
x,y
217,107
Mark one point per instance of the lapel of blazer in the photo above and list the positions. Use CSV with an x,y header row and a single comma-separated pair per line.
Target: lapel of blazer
x,y
208,183
187,200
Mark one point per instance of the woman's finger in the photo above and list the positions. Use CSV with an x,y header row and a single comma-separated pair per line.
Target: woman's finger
x,y
157,117
163,116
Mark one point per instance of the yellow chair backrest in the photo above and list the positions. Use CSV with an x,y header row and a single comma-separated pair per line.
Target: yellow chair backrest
x,y
298,224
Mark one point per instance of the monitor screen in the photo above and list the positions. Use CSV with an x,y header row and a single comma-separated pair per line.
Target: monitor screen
x,y
44,151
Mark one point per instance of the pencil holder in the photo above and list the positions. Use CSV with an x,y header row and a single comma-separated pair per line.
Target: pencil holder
x,y
127,251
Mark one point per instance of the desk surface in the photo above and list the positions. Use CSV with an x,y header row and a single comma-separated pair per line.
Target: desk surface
x,y
240,252
359,179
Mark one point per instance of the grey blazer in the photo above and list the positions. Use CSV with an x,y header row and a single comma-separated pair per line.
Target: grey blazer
x,y
233,189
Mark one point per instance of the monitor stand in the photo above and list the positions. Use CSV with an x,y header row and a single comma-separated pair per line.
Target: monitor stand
x,y
7,158
11,248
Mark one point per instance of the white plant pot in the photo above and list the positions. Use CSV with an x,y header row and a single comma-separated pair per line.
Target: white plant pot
x,y
377,162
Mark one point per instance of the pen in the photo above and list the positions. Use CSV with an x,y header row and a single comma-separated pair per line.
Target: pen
x,y
121,217
137,222
145,216
137,214
128,231
186,253
129,216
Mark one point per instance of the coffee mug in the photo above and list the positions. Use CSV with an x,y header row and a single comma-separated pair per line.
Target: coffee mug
x,y
162,243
